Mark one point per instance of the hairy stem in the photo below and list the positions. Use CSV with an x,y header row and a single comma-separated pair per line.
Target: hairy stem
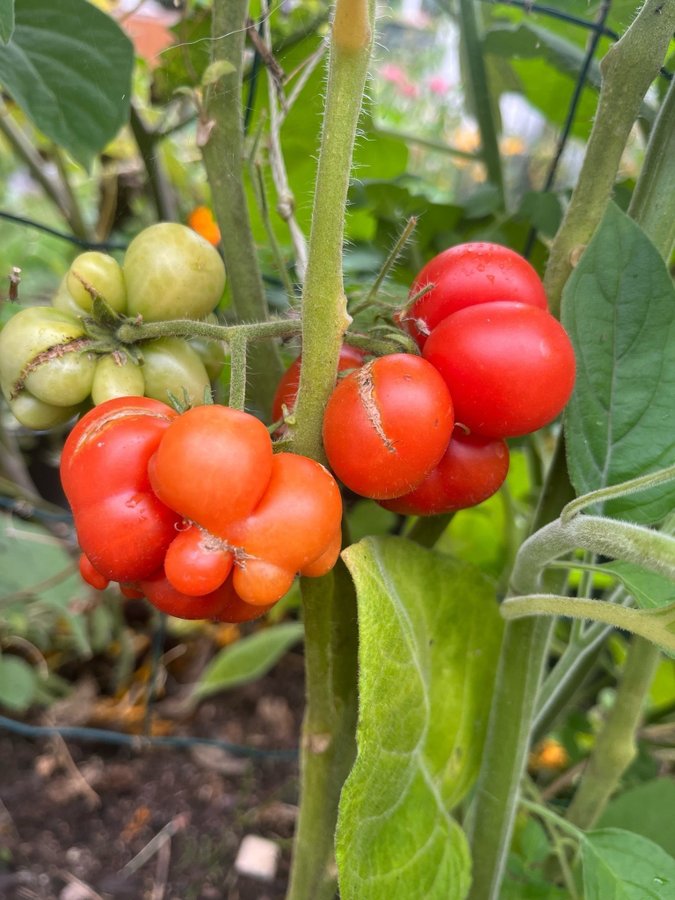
x,y
324,306
615,747
628,69
162,193
223,152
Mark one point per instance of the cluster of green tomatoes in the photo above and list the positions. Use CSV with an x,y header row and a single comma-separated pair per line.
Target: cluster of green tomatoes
x,y
55,361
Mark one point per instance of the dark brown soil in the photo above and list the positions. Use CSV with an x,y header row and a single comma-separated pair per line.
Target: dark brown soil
x,y
71,822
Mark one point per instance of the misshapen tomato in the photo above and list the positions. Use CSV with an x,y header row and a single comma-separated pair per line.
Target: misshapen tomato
x,y
122,527
222,604
213,466
509,367
287,389
293,530
471,470
387,425
466,275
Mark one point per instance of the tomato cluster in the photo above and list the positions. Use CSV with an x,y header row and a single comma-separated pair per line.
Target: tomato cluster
x,y
47,367
194,511
427,435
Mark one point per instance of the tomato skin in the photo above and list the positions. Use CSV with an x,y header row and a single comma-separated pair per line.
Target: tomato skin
x,y
171,364
91,575
510,367
113,378
287,389
472,469
292,527
212,466
214,605
103,273
387,425
466,275
122,527
196,563
171,272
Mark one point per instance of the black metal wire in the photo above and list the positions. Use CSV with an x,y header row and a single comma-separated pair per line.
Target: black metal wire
x,y
134,742
79,242
571,113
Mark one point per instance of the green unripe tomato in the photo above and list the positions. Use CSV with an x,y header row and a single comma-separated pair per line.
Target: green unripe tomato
x,y
171,272
33,413
170,364
64,380
64,301
115,379
32,331
105,276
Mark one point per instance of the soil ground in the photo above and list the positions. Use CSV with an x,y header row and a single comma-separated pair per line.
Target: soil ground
x,y
72,823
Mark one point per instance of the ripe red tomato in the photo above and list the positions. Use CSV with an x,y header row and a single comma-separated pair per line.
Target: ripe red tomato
x,y
471,470
387,425
287,389
123,529
466,275
509,367
196,562
212,466
292,530
222,604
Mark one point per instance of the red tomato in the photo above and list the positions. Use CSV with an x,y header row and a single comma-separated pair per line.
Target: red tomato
x,y
471,470
91,575
387,425
196,562
466,275
123,529
509,367
213,466
222,604
287,389
292,528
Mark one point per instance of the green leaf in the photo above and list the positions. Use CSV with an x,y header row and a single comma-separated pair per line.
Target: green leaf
x,y
649,589
68,66
647,810
621,865
619,310
17,683
247,659
6,20
428,644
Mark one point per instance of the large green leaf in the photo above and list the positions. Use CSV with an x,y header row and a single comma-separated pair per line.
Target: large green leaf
x,y
248,659
621,865
18,683
6,20
619,309
68,66
429,634
647,810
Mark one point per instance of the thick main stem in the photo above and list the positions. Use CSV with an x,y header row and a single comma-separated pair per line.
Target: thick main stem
x,y
615,747
223,152
324,306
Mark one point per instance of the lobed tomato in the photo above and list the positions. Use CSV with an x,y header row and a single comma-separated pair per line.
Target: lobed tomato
x,y
196,562
471,470
466,275
509,367
287,389
222,604
387,425
212,466
122,527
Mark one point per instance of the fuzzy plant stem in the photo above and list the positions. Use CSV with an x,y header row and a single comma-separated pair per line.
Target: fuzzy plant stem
x,y
223,151
329,604
324,305
615,748
628,69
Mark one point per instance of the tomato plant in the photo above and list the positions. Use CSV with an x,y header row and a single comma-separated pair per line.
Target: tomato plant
x,y
387,425
509,367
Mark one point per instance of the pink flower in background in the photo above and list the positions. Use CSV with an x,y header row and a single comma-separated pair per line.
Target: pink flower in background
x,y
409,90
394,74
438,85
